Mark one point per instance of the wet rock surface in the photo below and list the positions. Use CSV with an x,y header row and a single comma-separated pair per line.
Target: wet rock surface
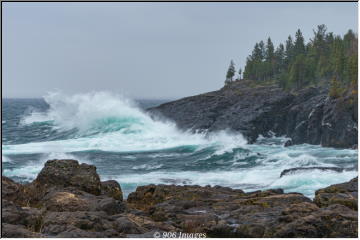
x,y
91,208
307,116
344,193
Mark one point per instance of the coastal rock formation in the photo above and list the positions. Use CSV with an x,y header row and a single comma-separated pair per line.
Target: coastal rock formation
x,y
343,193
307,116
224,212
68,173
304,169
87,207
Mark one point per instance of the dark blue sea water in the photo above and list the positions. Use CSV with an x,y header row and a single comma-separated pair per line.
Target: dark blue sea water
x,y
116,135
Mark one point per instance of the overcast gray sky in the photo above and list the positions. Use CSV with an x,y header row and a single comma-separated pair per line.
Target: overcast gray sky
x,y
146,50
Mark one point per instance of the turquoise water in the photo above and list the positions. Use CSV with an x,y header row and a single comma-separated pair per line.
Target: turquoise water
x,y
128,145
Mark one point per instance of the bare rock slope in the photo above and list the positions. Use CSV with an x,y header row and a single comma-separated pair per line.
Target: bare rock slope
x,y
307,116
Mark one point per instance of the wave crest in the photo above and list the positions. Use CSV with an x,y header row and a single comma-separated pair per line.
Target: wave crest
x,y
109,122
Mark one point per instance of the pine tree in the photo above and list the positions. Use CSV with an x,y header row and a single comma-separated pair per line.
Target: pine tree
x,y
262,50
257,54
248,71
299,45
279,56
319,39
297,71
230,72
269,56
350,42
352,68
240,72
338,58
289,49
325,60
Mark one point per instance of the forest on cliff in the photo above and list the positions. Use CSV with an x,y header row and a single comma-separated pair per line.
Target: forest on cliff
x,y
325,60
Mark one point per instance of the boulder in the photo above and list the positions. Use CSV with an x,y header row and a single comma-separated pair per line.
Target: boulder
x,y
124,225
70,199
112,189
288,143
66,173
66,201
110,205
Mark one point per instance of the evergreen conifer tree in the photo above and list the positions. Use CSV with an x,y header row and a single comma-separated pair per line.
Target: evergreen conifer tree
x,y
230,72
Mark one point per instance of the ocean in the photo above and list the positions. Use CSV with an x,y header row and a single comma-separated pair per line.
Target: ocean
x,y
116,135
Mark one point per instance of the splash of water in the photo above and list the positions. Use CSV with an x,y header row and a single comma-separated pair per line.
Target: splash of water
x,y
109,122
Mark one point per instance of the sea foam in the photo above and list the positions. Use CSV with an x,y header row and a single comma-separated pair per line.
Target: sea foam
x,y
109,122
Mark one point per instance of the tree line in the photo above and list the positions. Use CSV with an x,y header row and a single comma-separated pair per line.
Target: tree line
x,y
325,59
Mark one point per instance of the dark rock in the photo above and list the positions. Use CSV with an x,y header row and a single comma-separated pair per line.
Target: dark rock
x,y
70,199
9,188
31,218
331,222
66,201
63,201
112,189
299,134
124,225
12,191
288,143
55,223
111,206
17,231
297,210
345,194
224,212
67,173
306,116
240,107
78,233
304,169
339,128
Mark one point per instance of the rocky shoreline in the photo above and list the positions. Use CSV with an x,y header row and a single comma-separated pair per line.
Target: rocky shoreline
x,y
306,116
67,199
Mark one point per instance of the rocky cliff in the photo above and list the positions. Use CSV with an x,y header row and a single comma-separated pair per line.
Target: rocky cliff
x,y
306,116
67,199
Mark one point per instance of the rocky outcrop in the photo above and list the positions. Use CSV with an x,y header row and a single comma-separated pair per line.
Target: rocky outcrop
x,y
224,212
67,199
64,207
69,173
345,194
307,116
112,189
